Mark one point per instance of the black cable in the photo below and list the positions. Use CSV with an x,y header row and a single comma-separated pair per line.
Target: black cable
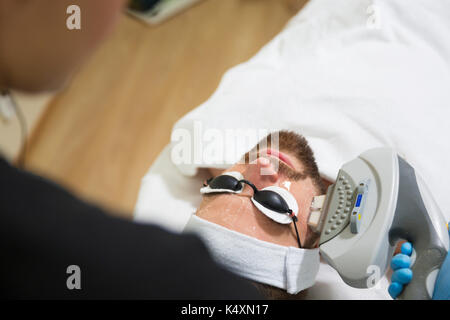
x,y
295,219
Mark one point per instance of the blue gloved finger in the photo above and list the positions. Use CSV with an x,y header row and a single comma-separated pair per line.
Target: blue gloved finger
x,y
403,276
395,289
400,261
407,248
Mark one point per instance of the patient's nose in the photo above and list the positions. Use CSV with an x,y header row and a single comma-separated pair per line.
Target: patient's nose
x,y
261,173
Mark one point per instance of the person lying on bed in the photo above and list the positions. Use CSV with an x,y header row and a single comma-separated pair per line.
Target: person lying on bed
x,y
239,227
250,232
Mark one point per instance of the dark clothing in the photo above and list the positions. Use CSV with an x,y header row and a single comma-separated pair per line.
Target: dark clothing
x,y
44,229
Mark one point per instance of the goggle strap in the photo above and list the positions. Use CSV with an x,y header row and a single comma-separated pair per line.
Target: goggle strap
x,y
206,183
255,190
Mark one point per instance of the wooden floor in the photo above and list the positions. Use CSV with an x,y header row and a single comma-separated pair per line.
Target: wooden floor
x,y
100,136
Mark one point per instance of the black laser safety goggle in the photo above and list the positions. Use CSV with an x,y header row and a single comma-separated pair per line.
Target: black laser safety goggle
x,y
271,201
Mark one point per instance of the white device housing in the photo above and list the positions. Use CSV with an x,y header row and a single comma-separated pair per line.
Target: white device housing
x,y
376,201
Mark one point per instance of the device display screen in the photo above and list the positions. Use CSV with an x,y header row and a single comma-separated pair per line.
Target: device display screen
x,y
358,200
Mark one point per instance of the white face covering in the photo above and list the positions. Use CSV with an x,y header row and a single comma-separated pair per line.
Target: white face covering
x,y
288,268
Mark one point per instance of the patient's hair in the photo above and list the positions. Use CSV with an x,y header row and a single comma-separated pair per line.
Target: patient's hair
x,y
298,145
273,293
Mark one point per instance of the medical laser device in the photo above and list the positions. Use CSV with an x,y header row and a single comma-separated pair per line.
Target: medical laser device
x,y
377,200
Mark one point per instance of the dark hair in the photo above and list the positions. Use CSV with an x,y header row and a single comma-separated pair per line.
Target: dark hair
x,y
297,145
273,293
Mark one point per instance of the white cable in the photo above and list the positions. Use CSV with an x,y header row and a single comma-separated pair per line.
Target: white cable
x,y
9,107
6,107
